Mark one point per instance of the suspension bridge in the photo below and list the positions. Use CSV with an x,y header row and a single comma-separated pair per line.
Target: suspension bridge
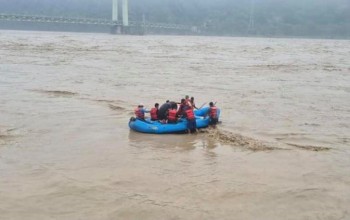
x,y
117,25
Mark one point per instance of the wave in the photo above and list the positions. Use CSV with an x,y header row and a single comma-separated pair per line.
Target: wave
x,y
238,140
309,147
56,92
116,107
6,136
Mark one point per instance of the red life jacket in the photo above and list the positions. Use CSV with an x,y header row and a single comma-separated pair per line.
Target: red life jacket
x,y
190,114
213,112
153,113
172,115
139,114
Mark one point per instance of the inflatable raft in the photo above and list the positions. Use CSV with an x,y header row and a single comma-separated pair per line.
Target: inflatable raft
x,y
155,127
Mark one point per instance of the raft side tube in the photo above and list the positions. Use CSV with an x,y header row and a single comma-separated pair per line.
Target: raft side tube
x,y
155,127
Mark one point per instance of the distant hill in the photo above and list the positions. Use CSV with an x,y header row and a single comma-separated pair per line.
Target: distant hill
x,y
304,18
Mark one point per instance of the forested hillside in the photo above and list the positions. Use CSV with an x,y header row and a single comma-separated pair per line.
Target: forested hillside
x,y
312,18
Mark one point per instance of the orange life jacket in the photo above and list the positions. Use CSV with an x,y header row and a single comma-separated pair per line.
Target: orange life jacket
x,y
139,113
213,112
172,115
153,113
190,114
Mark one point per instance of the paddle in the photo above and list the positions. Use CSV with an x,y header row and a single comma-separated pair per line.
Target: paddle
x,y
202,105
205,104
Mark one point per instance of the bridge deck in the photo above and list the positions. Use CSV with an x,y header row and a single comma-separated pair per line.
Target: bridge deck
x,y
89,21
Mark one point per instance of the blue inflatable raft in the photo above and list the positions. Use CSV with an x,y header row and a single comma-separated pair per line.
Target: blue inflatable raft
x,y
155,127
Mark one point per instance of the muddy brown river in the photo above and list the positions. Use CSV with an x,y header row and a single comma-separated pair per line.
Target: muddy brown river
x,y
282,150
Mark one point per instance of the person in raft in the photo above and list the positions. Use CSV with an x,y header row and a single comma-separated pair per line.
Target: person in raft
x,y
191,124
162,111
140,112
192,103
154,112
188,101
172,116
213,115
182,108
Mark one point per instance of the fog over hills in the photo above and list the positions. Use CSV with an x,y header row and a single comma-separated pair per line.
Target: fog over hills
x,y
304,18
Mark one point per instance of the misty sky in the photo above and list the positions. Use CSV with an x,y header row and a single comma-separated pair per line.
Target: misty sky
x,y
276,17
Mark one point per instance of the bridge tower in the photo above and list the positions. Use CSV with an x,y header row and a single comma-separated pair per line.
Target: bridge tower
x,y
120,27
251,26
125,13
115,17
